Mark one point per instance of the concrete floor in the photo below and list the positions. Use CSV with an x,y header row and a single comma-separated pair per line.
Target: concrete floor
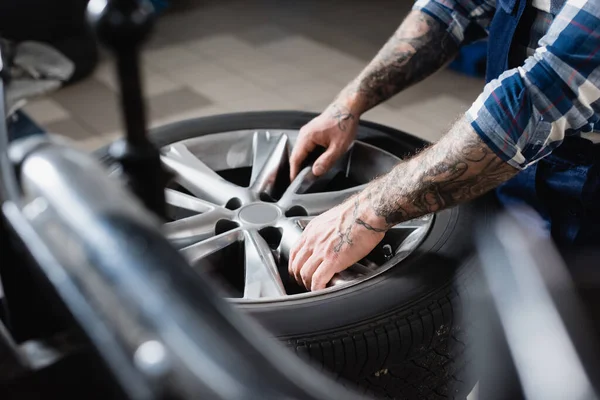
x,y
213,57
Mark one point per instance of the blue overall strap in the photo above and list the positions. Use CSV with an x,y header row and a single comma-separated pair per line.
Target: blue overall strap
x,y
502,30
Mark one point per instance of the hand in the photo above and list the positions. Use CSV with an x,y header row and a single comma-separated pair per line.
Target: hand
x,y
335,129
331,243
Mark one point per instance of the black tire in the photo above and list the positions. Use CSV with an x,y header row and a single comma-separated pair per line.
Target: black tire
x,y
402,334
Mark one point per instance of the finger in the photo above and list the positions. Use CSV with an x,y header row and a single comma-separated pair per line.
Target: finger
x,y
301,150
308,269
299,261
322,276
327,159
294,253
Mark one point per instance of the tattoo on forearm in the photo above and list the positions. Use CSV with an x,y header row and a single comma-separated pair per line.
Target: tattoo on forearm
x,y
342,115
417,49
457,169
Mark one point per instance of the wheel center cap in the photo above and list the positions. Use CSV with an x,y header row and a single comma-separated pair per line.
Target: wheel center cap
x,y
259,213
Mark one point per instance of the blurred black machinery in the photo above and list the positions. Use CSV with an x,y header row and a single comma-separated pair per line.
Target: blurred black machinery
x,y
537,337
123,26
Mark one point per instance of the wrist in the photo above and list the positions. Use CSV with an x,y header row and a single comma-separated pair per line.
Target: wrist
x,y
365,215
351,101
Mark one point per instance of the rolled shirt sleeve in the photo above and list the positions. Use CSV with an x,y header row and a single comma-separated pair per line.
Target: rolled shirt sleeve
x,y
466,20
528,111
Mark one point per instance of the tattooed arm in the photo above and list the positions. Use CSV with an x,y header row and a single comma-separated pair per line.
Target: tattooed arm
x,y
419,47
459,168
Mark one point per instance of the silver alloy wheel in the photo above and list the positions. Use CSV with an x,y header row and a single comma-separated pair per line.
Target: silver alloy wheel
x,y
268,215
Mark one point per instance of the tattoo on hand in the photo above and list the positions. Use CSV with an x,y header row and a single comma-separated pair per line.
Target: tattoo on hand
x,y
343,116
345,233
344,238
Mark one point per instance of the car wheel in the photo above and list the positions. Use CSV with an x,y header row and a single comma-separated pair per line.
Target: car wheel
x,y
393,324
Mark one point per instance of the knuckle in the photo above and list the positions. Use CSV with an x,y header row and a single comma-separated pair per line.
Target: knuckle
x,y
317,283
324,242
306,130
332,259
296,258
326,162
304,274
329,250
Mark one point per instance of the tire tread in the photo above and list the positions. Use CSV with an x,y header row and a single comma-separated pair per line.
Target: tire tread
x,y
415,352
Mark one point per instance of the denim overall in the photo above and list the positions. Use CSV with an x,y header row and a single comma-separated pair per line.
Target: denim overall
x,y
564,187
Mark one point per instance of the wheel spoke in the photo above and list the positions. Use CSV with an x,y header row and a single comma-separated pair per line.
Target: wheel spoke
x,y
184,201
198,227
269,155
198,178
262,276
291,232
304,179
314,203
198,251
318,203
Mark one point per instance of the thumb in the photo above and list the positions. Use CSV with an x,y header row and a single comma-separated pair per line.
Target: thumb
x,y
326,161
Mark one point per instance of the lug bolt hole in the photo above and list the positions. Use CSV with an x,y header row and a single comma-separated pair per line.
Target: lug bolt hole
x,y
296,211
266,198
272,236
225,225
233,204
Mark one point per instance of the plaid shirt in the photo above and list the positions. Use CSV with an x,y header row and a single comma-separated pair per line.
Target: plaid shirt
x,y
530,109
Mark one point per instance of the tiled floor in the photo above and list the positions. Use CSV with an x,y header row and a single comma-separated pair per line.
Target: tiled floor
x,y
213,57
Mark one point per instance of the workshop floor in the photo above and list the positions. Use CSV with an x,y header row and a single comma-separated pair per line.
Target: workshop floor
x,y
212,57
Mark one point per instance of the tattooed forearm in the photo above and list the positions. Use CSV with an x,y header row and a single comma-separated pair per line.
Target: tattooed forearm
x,y
460,167
417,49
